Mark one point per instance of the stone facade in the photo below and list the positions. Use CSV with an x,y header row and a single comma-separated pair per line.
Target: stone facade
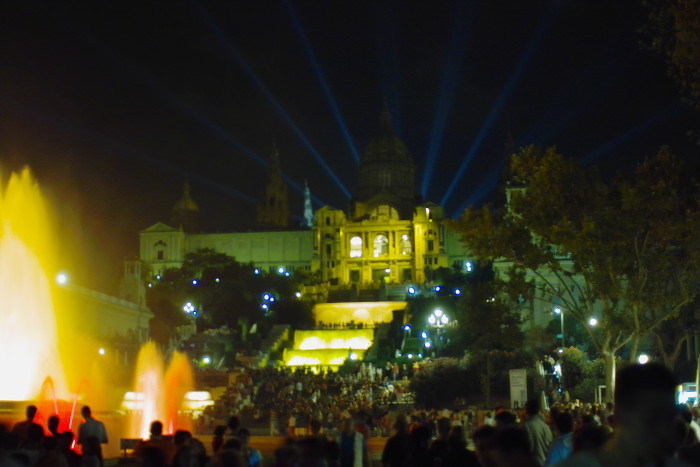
x,y
386,236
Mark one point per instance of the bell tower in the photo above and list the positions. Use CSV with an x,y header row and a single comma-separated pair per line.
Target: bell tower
x,y
185,213
273,208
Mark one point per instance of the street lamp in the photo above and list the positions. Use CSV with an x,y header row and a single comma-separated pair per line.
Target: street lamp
x,y
560,312
190,309
592,322
438,319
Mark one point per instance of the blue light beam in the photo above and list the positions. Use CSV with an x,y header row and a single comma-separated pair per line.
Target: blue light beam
x,y
453,67
495,111
571,103
630,134
486,187
268,95
322,80
152,83
119,148
167,96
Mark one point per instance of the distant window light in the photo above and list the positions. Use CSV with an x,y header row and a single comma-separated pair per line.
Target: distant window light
x,y
405,245
356,247
381,245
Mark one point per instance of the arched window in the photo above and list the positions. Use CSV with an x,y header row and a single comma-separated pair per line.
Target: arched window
x,y
381,245
405,245
356,247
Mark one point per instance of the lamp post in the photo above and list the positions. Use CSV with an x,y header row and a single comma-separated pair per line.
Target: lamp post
x,y
560,312
438,319
190,309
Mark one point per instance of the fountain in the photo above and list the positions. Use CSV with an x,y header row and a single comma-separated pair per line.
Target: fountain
x,y
159,393
28,329
39,332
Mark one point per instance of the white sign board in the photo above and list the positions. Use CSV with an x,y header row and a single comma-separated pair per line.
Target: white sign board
x,y
518,388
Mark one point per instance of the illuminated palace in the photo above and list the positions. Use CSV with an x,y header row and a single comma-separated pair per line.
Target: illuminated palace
x,y
386,236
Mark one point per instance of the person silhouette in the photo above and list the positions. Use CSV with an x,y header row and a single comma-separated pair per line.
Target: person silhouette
x,y
646,415
91,427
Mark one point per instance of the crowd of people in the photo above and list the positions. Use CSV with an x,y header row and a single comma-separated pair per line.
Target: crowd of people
x,y
643,427
290,399
28,444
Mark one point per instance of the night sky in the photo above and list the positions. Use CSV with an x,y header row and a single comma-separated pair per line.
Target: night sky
x,y
115,104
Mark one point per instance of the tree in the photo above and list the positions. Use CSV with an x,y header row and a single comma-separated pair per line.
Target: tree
x,y
439,382
673,32
568,239
660,208
221,289
492,331
672,335
226,292
487,321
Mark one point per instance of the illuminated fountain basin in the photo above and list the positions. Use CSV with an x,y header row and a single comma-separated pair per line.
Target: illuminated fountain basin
x,y
356,339
366,313
332,347
328,347
163,393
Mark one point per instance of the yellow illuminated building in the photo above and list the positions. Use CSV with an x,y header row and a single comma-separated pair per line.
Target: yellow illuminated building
x,y
387,236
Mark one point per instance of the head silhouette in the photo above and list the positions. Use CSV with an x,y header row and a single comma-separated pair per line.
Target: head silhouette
x,y
31,412
645,408
156,429
53,424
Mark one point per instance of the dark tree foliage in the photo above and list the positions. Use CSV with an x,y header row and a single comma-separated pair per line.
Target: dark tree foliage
x,y
673,32
624,251
226,292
